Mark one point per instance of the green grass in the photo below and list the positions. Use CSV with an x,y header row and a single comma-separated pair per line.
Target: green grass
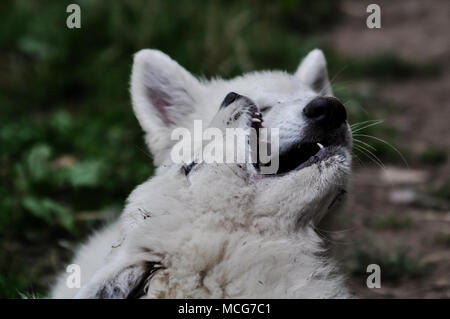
x,y
11,285
390,222
441,191
433,156
395,264
442,239
382,66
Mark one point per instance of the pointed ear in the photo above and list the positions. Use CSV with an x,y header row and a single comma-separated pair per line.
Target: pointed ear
x,y
313,72
163,95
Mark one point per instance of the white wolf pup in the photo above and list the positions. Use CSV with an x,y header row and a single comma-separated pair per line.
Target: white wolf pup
x,y
200,230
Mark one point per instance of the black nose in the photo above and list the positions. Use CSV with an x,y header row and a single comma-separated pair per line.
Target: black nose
x,y
326,112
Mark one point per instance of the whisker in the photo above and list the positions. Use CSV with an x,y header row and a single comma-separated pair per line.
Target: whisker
x,y
370,156
364,143
357,104
366,126
359,159
145,153
357,124
388,144
344,103
332,80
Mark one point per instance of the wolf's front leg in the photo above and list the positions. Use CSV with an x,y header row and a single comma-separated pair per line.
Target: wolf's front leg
x,y
90,257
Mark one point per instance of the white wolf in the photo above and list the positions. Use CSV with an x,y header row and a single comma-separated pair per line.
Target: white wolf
x,y
226,230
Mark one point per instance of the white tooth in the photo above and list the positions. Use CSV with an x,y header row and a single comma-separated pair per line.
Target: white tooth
x,y
256,120
320,145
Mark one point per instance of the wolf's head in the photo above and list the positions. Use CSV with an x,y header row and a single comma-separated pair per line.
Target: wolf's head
x,y
198,229
314,137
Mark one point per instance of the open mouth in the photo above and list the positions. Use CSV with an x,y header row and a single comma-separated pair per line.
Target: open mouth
x,y
297,157
301,155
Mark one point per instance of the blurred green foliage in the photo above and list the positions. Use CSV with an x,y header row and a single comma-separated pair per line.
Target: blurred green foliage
x,y
391,222
383,65
433,155
441,191
442,239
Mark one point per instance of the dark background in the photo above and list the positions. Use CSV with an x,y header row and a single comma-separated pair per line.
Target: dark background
x,y
71,150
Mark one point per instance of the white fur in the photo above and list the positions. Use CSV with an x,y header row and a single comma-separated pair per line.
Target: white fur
x,y
223,231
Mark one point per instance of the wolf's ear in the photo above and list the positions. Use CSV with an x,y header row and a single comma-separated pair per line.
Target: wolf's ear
x,y
313,72
164,96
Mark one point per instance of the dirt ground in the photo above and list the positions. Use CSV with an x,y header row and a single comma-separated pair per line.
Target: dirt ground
x,y
418,31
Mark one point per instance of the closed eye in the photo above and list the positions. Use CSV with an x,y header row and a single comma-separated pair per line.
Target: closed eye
x,y
265,108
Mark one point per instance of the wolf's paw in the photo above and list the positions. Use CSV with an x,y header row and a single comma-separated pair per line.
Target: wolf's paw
x,y
237,111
